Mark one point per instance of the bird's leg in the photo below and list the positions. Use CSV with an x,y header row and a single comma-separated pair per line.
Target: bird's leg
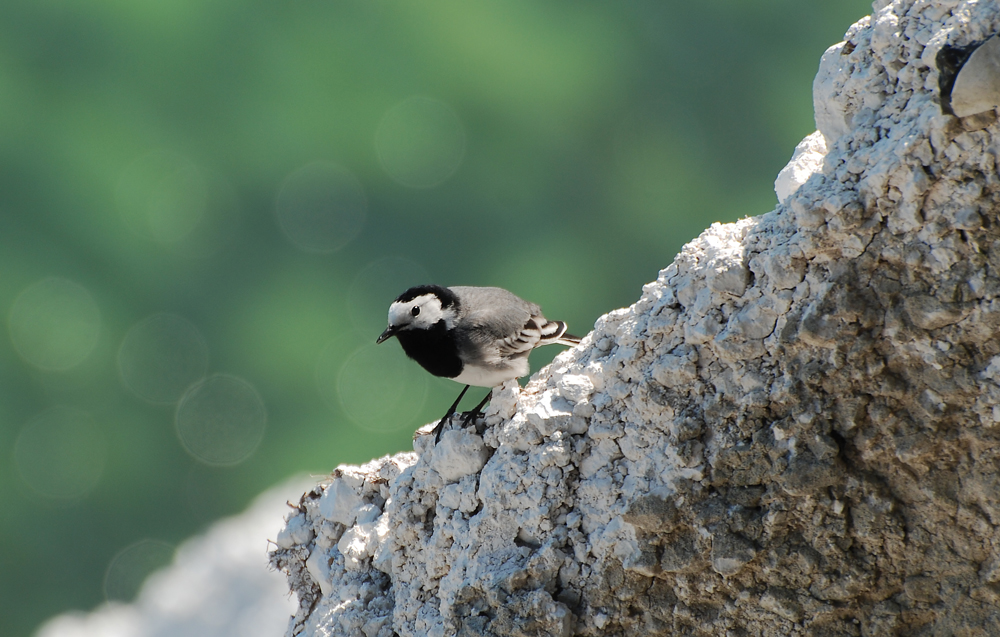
x,y
451,412
472,415
454,405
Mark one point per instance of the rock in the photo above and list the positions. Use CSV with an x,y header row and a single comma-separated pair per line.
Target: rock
x,y
977,86
792,431
806,160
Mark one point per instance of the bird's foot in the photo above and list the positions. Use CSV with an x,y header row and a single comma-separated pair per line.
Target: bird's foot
x,y
447,416
467,417
439,427
472,416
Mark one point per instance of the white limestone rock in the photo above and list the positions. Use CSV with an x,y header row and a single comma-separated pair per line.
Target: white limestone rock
x,y
458,454
806,160
792,431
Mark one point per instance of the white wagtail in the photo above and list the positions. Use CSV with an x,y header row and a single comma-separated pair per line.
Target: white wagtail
x,y
475,336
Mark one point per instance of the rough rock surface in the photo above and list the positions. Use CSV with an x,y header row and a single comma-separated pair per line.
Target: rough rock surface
x,y
794,431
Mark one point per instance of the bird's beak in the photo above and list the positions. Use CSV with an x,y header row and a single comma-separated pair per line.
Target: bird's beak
x,y
388,333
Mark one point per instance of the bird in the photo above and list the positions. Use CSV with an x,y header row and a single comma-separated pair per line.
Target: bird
x,y
478,336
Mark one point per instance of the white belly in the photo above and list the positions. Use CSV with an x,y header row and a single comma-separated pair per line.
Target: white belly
x,y
492,376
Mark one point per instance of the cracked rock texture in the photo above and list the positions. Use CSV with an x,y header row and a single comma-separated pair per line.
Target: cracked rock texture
x,y
794,431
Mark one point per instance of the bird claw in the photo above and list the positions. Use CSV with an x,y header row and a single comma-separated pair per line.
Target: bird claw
x,y
467,417
470,416
439,427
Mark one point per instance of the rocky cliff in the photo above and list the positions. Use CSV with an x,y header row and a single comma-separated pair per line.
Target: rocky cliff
x,y
793,431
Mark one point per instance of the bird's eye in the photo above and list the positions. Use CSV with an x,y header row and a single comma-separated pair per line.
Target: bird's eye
x,y
415,311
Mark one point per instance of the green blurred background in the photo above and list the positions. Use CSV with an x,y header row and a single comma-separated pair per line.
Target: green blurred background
x,y
207,207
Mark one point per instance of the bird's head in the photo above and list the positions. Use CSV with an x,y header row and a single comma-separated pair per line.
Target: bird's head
x,y
421,308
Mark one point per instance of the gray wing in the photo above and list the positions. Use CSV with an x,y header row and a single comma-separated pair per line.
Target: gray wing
x,y
501,325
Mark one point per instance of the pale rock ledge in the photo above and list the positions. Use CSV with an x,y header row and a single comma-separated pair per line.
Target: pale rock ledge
x,y
793,431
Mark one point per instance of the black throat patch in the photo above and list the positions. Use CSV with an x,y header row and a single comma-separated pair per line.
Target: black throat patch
x,y
432,348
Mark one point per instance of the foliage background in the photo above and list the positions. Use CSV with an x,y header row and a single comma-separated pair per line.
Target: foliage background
x,y
162,158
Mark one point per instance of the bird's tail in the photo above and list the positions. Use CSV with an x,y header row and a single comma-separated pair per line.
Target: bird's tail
x,y
555,332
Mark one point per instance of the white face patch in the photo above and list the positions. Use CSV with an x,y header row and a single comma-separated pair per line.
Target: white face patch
x,y
428,312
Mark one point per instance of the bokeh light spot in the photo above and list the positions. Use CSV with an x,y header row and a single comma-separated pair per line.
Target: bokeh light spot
x,y
163,196
376,286
380,389
321,207
161,356
132,565
420,142
61,453
331,358
54,324
221,420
